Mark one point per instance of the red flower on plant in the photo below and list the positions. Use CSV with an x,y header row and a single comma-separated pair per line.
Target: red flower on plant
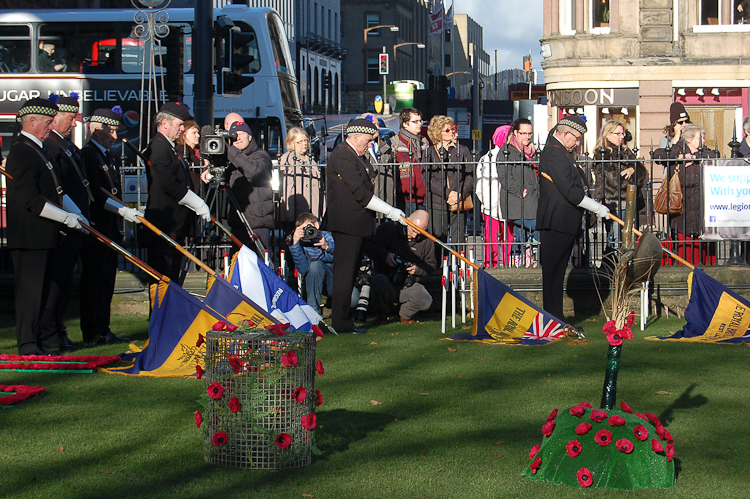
x,y
278,328
534,450
289,359
626,333
574,448
552,415
625,407
624,445
642,416
219,326
220,438
319,368
670,451
631,318
577,411
215,390
318,332
198,418
603,437
598,415
657,446
200,341
668,436
583,428
640,432
548,427
231,327
318,398
609,327
652,418
614,338
234,405
198,371
584,477
535,465
283,440
235,363
586,405
615,420
300,394
309,422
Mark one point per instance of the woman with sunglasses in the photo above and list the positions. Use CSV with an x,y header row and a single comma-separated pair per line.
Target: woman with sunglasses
x,y
449,180
678,118
615,169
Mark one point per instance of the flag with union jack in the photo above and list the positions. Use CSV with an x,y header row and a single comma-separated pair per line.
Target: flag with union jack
x,y
502,316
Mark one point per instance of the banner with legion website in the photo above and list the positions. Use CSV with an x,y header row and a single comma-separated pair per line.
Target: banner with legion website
x,y
726,199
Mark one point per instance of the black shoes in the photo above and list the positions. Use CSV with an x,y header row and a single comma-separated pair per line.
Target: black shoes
x,y
357,330
108,339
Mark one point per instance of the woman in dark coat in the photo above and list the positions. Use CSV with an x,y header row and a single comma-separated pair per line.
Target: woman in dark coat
x,y
615,169
687,227
448,171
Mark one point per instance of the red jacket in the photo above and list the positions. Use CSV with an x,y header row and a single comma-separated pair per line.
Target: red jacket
x,y
409,156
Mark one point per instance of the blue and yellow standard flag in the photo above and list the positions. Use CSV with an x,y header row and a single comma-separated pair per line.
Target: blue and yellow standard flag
x,y
176,321
504,317
715,313
229,302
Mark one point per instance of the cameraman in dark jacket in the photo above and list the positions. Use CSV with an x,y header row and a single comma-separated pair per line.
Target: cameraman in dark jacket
x,y
250,181
312,251
401,256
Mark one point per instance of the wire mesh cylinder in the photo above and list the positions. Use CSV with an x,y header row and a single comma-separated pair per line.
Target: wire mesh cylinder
x,y
265,385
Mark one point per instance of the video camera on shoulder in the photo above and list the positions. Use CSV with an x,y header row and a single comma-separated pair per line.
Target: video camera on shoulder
x,y
213,147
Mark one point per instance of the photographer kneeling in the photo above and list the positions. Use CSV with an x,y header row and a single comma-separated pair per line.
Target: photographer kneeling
x,y
312,250
250,182
401,256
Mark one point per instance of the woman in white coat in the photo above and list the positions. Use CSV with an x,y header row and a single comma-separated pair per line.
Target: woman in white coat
x,y
498,234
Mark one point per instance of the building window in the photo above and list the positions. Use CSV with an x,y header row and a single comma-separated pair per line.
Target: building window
x,y
599,13
723,15
447,61
373,20
567,17
373,75
315,18
447,35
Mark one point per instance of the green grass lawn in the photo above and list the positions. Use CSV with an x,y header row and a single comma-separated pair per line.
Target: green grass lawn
x,y
455,420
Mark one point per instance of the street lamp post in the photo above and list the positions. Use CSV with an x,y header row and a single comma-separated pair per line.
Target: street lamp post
x,y
394,29
418,44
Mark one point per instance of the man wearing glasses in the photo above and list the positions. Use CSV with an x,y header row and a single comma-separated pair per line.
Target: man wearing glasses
x,y
561,203
351,215
410,149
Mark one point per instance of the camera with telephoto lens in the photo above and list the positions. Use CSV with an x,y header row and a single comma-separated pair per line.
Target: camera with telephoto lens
x,y
401,276
363,283
310,235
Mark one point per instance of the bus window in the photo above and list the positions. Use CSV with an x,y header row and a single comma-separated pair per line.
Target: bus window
x,y
280,52
133,51
250,49
15,49
79,47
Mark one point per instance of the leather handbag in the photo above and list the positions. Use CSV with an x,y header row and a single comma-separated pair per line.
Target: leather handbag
x,y
668,200
466,204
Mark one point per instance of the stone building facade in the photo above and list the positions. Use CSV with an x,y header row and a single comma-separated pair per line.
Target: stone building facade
x,y
630,59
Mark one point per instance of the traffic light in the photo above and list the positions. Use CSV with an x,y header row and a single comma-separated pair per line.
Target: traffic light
x,y
175,63
230,80
383,66
327,81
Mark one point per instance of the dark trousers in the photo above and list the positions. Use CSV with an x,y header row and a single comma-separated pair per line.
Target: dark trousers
x,y
264,235
163,257
345,266
554,253
66,255
32,269
98,274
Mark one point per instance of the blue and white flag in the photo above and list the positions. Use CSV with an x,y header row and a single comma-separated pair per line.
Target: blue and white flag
x,y
255,280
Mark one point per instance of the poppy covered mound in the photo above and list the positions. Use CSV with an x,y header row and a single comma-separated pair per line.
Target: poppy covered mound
x,y
608,449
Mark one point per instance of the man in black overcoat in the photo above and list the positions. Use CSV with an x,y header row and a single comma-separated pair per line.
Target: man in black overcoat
x,y
170,195
560,209
351,215
99,263
34,216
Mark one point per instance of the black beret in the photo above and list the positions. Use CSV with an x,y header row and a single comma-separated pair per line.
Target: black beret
x,y
361,126
575,122
106,116
177,110
38,105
